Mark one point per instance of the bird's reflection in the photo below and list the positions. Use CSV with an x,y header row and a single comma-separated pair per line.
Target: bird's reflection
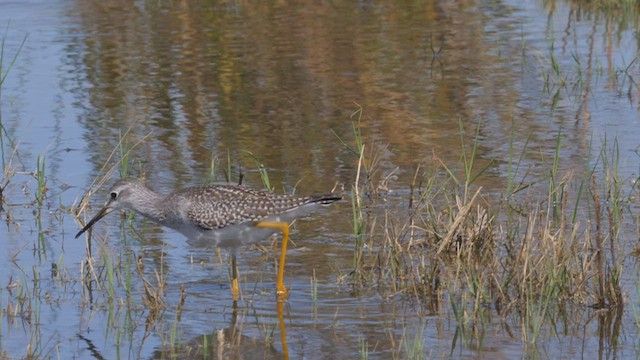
x,y
283,330
230,343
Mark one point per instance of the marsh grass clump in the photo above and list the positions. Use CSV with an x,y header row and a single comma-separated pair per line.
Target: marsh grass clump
x,y
531,255
153,298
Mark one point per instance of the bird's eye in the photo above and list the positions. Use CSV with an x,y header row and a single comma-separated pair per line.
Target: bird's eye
x,y
114,195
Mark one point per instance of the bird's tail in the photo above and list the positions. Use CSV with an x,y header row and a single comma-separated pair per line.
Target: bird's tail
x,y
326,199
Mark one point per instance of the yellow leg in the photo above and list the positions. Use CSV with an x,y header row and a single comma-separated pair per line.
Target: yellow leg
x,y
235,290
284,228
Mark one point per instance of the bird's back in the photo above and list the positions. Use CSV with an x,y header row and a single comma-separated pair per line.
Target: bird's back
x,y
217,206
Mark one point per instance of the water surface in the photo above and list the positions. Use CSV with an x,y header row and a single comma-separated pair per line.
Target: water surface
x,y
184,83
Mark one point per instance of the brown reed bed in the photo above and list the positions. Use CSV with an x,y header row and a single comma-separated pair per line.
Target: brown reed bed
x,y
532,259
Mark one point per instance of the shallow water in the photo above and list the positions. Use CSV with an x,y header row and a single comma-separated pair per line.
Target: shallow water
x,y
187,82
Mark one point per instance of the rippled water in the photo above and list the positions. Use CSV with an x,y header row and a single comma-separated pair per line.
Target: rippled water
x,y
187,82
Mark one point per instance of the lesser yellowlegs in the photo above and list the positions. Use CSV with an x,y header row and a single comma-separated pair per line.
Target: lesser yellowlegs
x,y
229,216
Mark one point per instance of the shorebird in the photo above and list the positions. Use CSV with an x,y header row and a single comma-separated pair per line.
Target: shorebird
x,y
229,216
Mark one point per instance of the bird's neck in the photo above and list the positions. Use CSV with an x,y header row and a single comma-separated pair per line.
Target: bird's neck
x,y
150,205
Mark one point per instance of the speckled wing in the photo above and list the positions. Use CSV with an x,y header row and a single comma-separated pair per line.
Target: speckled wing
x,y
214,207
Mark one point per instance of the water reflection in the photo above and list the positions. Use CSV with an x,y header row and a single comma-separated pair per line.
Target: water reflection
x,y
230,342
204,78
275,80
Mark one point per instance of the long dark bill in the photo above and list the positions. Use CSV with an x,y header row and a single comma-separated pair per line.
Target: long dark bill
x,y
106,210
